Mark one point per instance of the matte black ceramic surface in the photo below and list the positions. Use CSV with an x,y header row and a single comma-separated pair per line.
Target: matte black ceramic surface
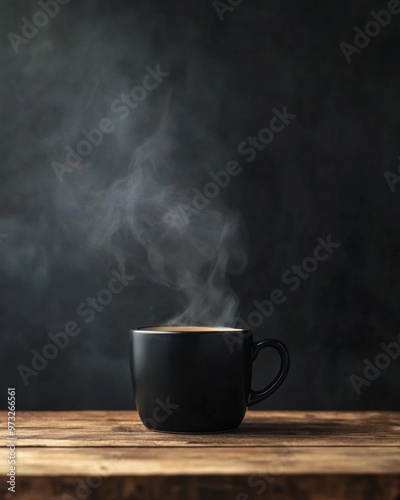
x,y
197,379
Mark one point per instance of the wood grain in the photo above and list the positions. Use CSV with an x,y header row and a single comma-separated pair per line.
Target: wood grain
x,y
274,455
195,461
310,487
111,428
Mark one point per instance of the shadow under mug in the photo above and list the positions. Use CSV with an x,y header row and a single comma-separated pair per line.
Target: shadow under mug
x,y
197,379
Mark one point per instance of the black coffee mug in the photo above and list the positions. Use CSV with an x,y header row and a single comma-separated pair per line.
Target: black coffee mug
x,y
197,379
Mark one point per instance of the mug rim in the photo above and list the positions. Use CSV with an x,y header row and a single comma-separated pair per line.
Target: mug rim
x,y
194,329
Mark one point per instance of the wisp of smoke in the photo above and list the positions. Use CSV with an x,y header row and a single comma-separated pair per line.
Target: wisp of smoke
x,y
190,253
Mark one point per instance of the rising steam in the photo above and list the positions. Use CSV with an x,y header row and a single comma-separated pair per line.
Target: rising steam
x,y
127,199
189,251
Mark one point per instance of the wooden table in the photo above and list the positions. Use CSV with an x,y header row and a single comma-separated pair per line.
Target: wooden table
x,y
275,455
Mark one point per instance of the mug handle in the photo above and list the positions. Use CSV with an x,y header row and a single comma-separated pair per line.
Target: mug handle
x,y
257,396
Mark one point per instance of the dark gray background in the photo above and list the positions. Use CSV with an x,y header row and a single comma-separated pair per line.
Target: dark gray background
x,y
323,175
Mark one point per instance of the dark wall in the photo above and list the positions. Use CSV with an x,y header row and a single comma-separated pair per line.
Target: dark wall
x,y
320,177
